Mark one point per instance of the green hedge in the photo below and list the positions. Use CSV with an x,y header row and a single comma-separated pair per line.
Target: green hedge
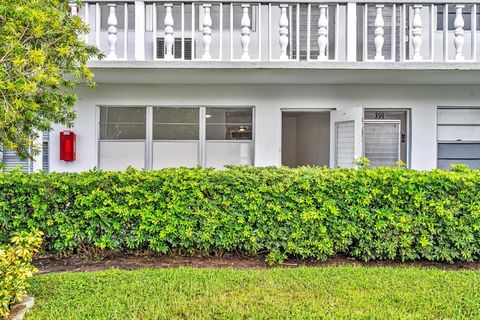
x,y
382,213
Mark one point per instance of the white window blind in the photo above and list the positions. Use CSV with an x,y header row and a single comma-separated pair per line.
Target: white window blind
x,y
344,144
382,142
458,137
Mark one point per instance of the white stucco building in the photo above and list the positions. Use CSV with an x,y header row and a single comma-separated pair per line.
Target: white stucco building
x,y
266,83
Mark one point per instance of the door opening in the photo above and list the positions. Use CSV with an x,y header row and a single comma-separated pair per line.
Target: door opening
x,y
305,138
386,136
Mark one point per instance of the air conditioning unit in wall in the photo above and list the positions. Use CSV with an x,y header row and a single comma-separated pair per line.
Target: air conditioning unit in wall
x,y
177,48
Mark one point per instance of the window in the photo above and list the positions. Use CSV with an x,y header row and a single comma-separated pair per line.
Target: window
x,y
122,138
160,137
229,136
122,123
45,145
458,135
175,123
11,161
175,137
229,124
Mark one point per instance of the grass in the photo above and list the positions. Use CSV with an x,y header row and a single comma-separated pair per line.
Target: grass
x,y
301,293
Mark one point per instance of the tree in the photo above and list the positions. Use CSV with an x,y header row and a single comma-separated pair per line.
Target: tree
x,y
42,59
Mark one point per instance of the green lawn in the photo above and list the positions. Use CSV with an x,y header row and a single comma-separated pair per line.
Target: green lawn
x,y
299,293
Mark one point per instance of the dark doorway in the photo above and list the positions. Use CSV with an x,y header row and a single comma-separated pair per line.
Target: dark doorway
x,y
305,138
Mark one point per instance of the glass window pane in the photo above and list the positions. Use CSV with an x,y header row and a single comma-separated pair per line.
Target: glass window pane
x,y
459,150
228,132
122,132
220,154
175,132
459,116
123,114
175,115
122,123
445,164
168,154
229,124
459,133
175,123
229,115
119,155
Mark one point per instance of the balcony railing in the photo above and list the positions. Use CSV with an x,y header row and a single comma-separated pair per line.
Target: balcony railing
x,y
287,31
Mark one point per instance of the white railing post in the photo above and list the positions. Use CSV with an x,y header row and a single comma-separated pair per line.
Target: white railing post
x,y
169,38
73,8
322,33
207,32
417,32
379,24
112,31
246,24
140,27
459,33
351,32
283,31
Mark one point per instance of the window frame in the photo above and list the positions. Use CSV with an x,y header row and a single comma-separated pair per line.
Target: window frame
x,y
202,141
442,142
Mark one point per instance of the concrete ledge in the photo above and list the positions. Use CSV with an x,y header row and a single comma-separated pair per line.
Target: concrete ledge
x,y
205,73
19,310
288,65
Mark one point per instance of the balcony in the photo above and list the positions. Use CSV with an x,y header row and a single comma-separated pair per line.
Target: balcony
x,y
328,35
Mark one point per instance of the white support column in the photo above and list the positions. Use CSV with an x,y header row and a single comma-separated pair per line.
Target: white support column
x,y
140,27
352,32
73,8
379,32
283,31
459,24
169,38
112,31
37,163
207,32
323,33
246,24
417,32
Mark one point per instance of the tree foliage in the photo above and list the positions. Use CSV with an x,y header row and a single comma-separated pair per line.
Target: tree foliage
x,y
42,59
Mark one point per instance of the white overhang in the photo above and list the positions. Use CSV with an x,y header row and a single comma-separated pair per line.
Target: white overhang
x,y
294,72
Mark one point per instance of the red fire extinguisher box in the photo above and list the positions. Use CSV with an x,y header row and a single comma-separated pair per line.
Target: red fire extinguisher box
x,y
67,146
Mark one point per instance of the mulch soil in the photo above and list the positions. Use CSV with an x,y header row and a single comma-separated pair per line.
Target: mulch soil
x,y
132,261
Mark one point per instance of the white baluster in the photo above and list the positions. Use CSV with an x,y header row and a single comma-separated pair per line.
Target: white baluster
x,y
323,33
245,31
417,32
169,38
379,23
112,31
283,31
73,8
207,32
459,23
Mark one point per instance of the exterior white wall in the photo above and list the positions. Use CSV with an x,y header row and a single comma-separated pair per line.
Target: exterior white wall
x,y
269,100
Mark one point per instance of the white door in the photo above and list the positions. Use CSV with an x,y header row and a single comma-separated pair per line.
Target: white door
x,y
382,142
346,131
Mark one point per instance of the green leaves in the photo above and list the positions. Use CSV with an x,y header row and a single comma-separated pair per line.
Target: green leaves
x,y
309,213
42,59
16,268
